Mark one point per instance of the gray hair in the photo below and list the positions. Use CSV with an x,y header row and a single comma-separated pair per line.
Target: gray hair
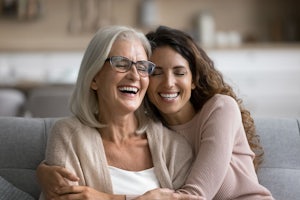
x,y
84,101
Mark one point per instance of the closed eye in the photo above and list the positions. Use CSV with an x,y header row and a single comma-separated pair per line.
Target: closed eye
x,y
157,71
180,71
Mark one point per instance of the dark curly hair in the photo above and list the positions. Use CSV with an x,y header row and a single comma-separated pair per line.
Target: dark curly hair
x,y
208,80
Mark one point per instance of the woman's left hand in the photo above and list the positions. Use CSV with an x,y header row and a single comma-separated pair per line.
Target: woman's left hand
x,y
84,193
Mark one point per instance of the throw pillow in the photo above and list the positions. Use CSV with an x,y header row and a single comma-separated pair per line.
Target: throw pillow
x,y
9,192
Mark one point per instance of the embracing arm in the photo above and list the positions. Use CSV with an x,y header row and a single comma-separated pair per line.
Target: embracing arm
x,y
52,181
51,178
219,123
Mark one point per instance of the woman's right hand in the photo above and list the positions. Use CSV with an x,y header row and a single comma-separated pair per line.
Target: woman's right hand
x,y
51,178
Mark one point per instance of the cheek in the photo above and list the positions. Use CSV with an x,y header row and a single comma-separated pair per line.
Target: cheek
x,y
151,92
188,82
144,85
145,82
152,85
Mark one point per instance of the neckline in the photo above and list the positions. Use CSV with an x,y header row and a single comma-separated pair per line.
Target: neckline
x,y
127,171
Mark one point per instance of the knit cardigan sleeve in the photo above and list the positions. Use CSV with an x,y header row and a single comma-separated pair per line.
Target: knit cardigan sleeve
x,y
79,149
60,148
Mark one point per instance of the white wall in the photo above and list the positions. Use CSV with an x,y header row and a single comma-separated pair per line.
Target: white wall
x,y
267,79
39,67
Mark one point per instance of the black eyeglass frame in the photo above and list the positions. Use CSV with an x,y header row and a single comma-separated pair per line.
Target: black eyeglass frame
x,y
149,67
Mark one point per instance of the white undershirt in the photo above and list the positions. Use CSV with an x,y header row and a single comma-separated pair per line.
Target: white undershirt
x,y
131,182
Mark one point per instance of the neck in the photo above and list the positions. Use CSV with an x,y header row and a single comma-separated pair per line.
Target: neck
x,y
182,116
120,128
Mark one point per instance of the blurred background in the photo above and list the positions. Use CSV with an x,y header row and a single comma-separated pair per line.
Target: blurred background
x,y
254,43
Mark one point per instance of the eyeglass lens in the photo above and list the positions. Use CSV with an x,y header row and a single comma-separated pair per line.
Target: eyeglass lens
x,y
123,64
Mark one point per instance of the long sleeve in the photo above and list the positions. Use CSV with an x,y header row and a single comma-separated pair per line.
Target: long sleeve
x,y
79,149
223,167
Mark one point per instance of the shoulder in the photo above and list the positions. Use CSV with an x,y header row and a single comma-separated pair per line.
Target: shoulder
x,y
221,103
69,127
162,133
221,100
220,109
71,123
67,122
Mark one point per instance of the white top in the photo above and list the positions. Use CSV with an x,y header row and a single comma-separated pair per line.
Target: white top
x,y
131,182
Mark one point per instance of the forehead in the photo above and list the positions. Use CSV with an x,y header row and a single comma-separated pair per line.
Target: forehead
x,y
131,46
167,57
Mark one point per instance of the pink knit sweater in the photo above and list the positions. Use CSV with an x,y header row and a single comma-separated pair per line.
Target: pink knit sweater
x,y
223,167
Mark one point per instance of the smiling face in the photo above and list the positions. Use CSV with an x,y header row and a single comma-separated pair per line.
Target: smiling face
x,y
121,93
171,85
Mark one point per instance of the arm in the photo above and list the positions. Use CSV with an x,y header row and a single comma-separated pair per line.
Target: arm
x,y
51,178
213,146
85,193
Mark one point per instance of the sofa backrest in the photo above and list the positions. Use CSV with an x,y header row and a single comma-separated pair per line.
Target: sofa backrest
x,y
280,171
23,142
22,147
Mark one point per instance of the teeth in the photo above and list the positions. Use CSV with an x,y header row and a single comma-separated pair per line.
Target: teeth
x,y
128,89
169,95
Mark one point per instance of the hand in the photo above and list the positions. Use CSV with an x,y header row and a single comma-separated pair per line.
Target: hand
x,y
51,178
167,194
84,193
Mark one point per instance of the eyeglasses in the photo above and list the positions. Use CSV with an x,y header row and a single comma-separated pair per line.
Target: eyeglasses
x,y
123,64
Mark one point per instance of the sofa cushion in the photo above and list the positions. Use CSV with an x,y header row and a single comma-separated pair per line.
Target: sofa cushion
x,y
22,146
280,171
10,192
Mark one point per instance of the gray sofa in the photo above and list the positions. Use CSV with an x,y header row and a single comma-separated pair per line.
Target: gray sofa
x,y
23,142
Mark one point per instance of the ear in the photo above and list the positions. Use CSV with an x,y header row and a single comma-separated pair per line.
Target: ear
x,y
94,85
193,86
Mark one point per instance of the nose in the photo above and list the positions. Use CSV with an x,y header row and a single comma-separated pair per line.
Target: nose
x,y
133,72
169,80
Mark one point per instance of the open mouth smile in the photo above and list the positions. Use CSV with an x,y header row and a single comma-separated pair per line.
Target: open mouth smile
x,y
130,90
169,96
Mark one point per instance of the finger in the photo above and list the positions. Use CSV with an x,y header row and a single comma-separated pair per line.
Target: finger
x,y
69,190
67,174
50,195
68,196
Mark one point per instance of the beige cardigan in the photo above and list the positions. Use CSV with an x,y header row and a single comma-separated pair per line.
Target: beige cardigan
x,y
79,148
